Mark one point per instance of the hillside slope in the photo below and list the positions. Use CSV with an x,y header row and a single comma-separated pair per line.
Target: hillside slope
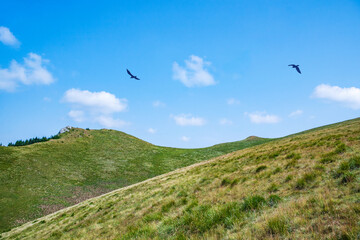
x,y
42,178
305,186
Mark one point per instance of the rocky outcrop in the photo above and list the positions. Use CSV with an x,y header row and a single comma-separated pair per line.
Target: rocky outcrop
x,y
65,129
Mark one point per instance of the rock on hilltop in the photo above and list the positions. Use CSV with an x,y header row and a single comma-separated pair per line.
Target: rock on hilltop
x,y
65,129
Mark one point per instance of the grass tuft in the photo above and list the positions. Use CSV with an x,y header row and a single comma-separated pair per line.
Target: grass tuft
x,y
305,180
347,177
292,163
274,154
295,156
260,168
341,148
273,200
226,181
327,159
276,170
277,226
289,178
153,217
166,207
273,188
253,203
234,182
354,162
182,193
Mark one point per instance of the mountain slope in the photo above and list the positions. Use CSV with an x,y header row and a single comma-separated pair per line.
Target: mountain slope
x,y
42,178
305,186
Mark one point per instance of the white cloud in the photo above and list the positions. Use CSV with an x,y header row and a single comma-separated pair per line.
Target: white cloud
x,y
188,120
348,96
232,101
152,131
32,71
262,117
102,102
77,115
158,103
225,121
7,38
110,122
194,74
97,107
296,113
185,139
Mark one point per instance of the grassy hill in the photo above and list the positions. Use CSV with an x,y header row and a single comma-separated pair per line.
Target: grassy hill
x,y
304,186
42,178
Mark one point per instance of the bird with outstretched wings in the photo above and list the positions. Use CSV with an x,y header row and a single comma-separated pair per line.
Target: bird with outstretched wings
x,y
296,67
132,76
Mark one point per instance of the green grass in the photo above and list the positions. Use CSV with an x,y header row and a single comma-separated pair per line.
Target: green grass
x,y
277,226
42,178
198,201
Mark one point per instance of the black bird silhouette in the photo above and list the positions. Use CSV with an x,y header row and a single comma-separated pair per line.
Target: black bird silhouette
x,y
132,76
296,67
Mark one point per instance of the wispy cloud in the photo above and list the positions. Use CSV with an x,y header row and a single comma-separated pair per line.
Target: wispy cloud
x,y
152,131
185,139
32,71
262,117
194,74
110,122
225,121
7,38
188,120
158,104
350,97
296,113
97,107
77,115
232,101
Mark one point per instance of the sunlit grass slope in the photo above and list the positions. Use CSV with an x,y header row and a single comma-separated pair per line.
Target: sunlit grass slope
x,y
42,178
305,186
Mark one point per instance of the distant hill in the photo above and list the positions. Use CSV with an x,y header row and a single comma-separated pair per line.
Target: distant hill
x,y
305,186
42,178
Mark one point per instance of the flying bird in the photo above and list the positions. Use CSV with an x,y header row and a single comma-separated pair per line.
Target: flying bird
x,y
132,76
296,67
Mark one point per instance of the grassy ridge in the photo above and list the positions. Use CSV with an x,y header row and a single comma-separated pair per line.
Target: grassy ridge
x,y
41,178
300,187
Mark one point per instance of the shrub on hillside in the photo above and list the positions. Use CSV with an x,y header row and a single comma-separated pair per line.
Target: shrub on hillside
x,y
32,141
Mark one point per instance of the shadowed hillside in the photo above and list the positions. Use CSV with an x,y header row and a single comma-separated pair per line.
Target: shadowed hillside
x,y
304,186
42,178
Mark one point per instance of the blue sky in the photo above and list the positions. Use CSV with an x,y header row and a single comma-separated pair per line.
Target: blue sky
x,y
211,71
